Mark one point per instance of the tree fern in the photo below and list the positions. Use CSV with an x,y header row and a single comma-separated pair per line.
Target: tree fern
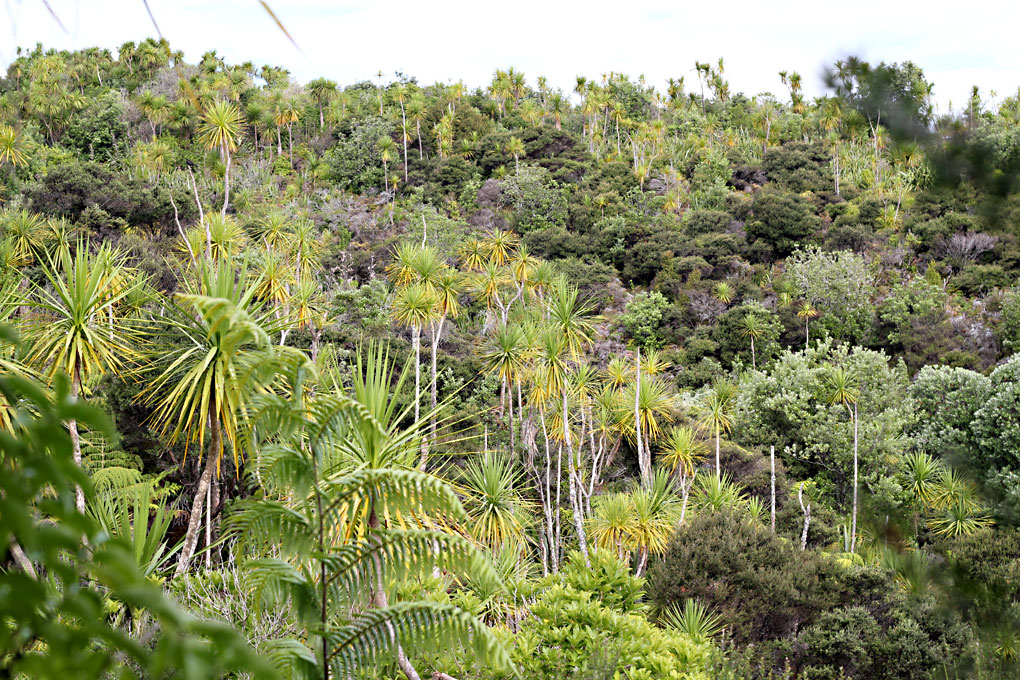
x,y
345,518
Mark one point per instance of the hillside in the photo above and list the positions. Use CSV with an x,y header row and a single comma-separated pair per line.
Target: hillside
x,y
413,380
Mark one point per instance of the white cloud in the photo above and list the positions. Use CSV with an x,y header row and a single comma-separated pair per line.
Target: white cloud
x,y
958,46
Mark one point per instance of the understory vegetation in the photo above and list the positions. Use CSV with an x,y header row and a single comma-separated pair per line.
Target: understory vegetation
x,y
395,380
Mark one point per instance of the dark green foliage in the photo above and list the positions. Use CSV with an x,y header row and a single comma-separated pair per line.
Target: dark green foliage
x,y
70,189
733,342
763,586
783,221
699,222
354,163
98,133
799,166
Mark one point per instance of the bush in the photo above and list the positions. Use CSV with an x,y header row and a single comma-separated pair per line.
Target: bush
x,y
581,627
642,319
763,586
781,220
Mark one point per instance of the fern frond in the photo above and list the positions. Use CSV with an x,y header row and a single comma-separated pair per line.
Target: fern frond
x,y
291,659
274,581
395,555
271,522
393,492
415,626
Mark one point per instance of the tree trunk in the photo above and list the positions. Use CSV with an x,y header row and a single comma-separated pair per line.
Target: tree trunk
x,y
290,142
646,472
575,484
642,561
772,459
22,559
754,366
279,142
437,333
416,333
195,521
807,516
208,524
72,428
853,519
718,467
226,182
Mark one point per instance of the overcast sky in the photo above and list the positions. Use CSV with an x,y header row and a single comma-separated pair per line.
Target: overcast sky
x,y
958,45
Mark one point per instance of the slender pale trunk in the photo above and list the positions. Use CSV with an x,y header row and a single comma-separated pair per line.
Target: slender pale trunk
x,y
718,467
550,534
642,561
557,520
853,519
835,159
403,130
290,143
226,181
646,473
754,365
201,217
772,459
575,485
72,428
417,392
208,525
807,517
807,332
685,492
421,154
279,142
195,521
437,332
510,419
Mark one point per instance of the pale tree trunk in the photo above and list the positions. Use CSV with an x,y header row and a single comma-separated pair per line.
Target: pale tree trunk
x,y
557,520
575,485
72,428
772,459
437,332
226,182
195,521
417,391
290,142
550,532
754,365
403,130
807,516
685,493
208,524
718,466
22,559
279,142
853,520
645,467
642,561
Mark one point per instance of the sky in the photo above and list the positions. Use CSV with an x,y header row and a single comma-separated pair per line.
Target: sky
x,y
958,45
